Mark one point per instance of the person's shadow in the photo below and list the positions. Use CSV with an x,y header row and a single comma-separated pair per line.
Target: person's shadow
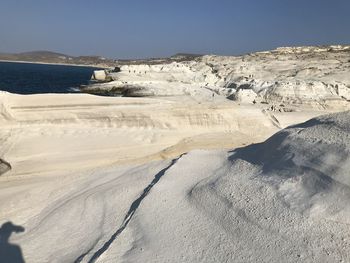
x,y
10,253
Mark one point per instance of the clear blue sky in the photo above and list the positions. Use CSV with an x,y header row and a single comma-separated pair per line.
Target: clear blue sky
x,y
155,28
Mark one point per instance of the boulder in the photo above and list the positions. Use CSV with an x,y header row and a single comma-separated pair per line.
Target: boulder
x,y
99,75
245,96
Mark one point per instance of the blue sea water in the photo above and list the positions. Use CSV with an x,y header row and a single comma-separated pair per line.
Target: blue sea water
x,y
30,78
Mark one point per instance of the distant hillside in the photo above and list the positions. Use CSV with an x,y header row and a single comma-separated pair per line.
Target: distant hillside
x,y
53,57
179,57
186,56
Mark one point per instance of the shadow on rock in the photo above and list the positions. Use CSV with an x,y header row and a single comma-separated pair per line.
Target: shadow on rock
x,y
10,253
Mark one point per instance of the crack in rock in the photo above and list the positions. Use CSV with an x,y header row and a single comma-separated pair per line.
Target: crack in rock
x,y
4,166
134,206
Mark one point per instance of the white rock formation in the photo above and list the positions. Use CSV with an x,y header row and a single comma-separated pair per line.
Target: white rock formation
x,y
102,179
314,76
99,75
283,200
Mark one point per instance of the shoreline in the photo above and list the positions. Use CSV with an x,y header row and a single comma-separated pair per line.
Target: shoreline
x,y
59,64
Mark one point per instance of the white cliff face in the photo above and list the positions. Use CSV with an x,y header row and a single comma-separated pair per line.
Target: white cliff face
x,y
289,75
316,76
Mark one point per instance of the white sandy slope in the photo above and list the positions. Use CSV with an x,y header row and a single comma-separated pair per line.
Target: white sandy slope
x,y
99,179
284,200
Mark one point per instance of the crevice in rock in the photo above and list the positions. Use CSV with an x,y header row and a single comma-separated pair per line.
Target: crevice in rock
x,y
133,208
4,167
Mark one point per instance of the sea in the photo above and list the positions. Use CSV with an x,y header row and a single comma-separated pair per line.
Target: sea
x,y
30,78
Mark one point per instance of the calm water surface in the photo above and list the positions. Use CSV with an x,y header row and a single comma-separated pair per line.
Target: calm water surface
x,y
28,78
